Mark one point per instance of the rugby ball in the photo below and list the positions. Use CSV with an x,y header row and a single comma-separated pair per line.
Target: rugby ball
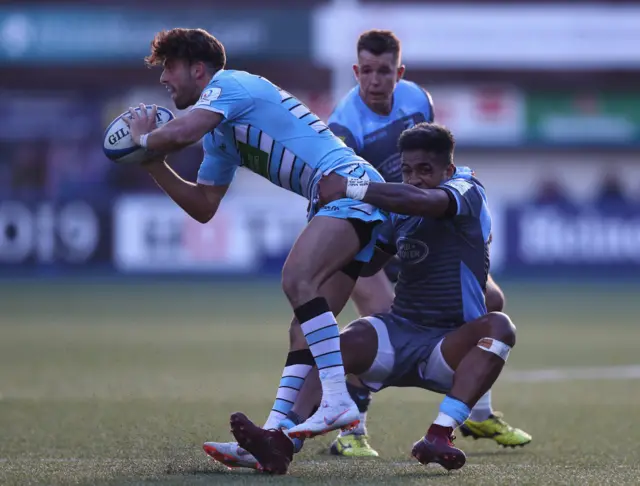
x,y
118,144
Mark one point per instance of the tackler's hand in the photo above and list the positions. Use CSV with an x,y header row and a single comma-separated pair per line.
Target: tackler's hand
x,y
140,123
331,187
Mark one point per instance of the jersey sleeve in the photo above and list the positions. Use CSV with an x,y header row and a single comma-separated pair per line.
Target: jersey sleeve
x,y
344,134
225,96
428,110
217,168
468,196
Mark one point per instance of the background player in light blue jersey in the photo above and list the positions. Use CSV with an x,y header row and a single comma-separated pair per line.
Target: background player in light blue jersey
x,y
438,334
247,121
370,119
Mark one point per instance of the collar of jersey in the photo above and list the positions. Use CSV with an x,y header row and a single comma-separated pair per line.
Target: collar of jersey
x,y
217,74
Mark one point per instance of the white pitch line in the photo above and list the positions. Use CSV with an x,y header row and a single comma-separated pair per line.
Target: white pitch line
x,y
631,372
550,375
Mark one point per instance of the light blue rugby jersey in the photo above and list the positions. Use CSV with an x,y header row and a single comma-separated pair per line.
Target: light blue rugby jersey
x,y
268,131
375,137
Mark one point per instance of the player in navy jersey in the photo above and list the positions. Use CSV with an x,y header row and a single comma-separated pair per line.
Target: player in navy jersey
x,y
245,120
370,119
438,334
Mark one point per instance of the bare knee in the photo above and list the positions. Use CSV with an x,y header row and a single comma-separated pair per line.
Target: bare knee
x,y
501,328
494,297
298,289
359,345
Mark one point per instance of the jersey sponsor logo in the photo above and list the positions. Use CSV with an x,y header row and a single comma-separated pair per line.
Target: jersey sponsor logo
x,y
390,167
411,251
210,94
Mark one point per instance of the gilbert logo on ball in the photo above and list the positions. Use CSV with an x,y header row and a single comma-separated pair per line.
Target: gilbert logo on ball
x,y
118,144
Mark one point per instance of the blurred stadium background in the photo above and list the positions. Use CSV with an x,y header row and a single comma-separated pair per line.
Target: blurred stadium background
x,y
128,333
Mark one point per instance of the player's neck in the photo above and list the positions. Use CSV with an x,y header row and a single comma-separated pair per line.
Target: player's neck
x,y
204,82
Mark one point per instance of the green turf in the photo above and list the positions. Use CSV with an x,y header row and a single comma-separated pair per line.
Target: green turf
x,y
121,383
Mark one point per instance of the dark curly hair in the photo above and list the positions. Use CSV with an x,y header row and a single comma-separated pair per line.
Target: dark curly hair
x,y
429,137
192,45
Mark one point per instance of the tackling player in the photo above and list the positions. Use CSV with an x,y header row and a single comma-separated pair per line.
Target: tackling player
x,y
370,119
245,120
438,334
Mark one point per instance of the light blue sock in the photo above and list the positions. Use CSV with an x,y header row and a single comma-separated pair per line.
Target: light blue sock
x,y
288,424
453,413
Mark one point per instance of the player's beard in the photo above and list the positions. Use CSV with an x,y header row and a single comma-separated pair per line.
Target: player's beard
x,y
183,101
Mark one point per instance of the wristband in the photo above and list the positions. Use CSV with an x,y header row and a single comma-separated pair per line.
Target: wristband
x,y
143,140
356,188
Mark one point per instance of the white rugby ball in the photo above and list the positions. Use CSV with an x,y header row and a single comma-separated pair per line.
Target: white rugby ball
x,y
118,144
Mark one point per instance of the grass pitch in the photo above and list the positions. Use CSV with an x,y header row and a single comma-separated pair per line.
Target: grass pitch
x,y
120,383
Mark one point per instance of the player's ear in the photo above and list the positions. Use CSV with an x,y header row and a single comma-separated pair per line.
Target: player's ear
x,y
451,169
198,70
401,71
356,72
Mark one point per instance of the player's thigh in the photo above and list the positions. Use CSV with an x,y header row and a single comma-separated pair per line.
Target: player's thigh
x,y
324,247
494,296
366,348
459,342
373,295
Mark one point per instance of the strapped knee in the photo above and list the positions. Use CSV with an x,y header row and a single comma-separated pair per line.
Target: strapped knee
x,y
491,345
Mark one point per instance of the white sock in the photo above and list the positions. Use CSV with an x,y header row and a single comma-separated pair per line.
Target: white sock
x,y
482,409
445,421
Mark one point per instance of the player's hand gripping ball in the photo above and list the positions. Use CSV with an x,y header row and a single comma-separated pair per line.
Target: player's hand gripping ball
x,y
119,144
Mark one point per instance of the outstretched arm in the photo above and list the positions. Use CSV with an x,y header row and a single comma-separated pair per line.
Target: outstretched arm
x,y
388,196
407,199
176,134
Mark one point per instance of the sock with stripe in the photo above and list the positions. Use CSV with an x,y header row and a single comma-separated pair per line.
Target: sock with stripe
x,y
296,369
453,412
323,337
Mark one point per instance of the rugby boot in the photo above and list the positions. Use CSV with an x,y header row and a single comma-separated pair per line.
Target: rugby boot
x,y
230,454
437,446
339,413
497,429
352,445
272,448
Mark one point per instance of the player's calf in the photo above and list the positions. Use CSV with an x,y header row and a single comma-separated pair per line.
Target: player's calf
x,y
476,352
